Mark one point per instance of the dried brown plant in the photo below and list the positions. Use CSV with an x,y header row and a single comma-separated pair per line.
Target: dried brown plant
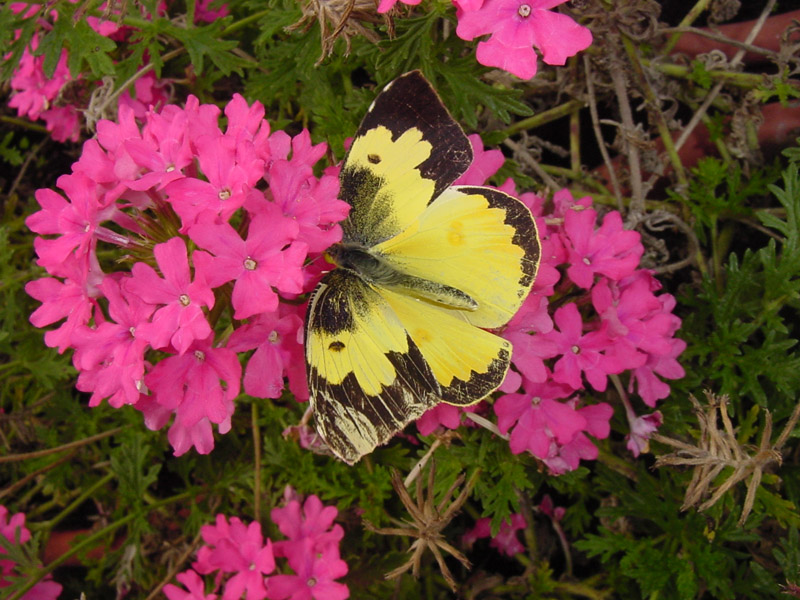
x,y
427,522
718,449
342,18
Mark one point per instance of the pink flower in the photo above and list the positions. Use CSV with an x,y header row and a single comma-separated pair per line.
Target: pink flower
x,y
231,176
387,5
73,299
315,574
195,588
485,163
530,351
581,353
651,388
190,385
447,416
247,126
314,522
180,319
14,530
161,155
150,92
506,541
33,90
110,357
75,222
638,440
549,429
279,352
204,12
267,259
610,250
312,202
515,27
63,123
239,549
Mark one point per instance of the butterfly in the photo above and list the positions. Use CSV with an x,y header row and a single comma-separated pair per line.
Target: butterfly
x,y
423,269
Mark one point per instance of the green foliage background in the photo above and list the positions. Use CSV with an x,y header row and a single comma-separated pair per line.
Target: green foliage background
x,y
624,533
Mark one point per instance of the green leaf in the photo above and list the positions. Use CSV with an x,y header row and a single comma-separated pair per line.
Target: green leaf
x,y
204,43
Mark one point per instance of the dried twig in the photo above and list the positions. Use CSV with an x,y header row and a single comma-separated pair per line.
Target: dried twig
x,y
718,449
426,524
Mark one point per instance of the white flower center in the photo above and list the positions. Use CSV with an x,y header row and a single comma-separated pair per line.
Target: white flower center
x,y
273,337
250,264
224,194
575,350
199,355
184,299
524,10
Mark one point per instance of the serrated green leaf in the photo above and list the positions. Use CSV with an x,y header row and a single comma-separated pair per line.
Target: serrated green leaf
x,y
203,43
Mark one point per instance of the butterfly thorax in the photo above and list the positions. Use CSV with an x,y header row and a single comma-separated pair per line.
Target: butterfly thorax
x,y
378,271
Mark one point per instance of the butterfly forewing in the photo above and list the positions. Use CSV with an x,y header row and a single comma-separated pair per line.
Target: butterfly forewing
x,y
367,378
397,165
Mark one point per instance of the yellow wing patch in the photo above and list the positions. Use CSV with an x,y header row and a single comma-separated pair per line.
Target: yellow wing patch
x,y
478,240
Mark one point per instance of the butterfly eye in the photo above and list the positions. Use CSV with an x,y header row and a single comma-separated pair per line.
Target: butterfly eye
x,y
373,158
336,346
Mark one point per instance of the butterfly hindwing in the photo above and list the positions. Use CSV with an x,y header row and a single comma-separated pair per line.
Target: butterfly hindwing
x,y
468,363
396,166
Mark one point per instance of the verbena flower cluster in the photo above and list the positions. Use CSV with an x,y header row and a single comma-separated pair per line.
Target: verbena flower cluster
x,y
178,245
12,528
515,28
606,320
169,230
242,563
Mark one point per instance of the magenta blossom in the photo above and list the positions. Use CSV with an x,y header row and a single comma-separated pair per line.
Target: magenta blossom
x,y
638,440
110,356
239,549
516,26
506,541
609,250
279,353
550,428
191,386
447,416
269,258
179,320
195,588
315,572
581,353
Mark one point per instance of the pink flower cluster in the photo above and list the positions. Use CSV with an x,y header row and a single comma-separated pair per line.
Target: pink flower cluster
x,y
243,563
37,96
169,231
13,529
515,28
608,320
